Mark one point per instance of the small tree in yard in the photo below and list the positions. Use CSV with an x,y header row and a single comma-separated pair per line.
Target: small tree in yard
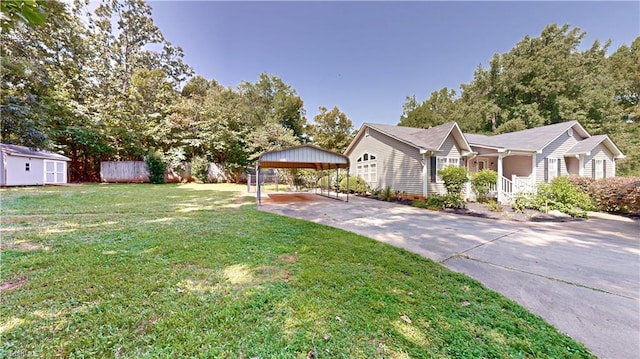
x,y
156,167
454,178
482,181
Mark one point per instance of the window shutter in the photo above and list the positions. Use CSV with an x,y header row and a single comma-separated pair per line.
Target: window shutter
x,y
546,170
462,162
433,169
559,166
604,168
593,168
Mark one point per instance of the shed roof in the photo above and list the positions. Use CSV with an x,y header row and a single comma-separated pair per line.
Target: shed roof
x,y
303,156
22,151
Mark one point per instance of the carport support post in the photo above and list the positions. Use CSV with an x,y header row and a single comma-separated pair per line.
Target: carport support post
x,y
347,185
258,184
337,181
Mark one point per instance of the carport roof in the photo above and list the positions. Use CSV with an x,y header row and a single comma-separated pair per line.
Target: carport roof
x,y
303,156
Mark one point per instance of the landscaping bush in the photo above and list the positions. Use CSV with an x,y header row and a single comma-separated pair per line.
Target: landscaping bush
x,y
439,201
617,194
563,196
454,178
200,169
482,181
583,183
521,202
356,185
156,167
328,181
387,194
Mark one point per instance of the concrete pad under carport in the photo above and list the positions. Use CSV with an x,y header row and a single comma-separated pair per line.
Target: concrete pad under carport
x,y
583,277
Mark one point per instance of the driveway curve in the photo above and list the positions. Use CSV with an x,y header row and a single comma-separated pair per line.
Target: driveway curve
x,y
583,277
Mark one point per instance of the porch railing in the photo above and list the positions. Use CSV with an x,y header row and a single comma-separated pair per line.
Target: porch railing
x,y
516,185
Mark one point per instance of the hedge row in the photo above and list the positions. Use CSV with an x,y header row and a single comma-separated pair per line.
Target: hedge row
x,y
615,194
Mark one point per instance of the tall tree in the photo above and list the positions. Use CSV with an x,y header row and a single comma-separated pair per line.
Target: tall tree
x,y
271,101
436,110
332,130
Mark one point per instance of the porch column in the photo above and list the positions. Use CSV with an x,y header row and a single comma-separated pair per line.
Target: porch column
x,y
499,184
425,176
580,165
533,171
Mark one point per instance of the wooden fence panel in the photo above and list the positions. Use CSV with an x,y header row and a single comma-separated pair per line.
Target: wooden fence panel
x,y
124,171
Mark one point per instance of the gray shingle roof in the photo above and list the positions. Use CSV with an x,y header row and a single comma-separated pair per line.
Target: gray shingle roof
x,y
27,152
588,144
424,138
533,139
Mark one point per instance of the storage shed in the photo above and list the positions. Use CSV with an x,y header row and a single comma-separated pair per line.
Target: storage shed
x,y
22,166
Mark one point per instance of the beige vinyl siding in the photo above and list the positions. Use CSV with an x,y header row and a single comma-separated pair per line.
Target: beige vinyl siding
x,y
398,164
556,149
449,148
517,165
601,152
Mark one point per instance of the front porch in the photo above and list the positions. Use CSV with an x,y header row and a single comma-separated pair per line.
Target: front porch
x,y
517,172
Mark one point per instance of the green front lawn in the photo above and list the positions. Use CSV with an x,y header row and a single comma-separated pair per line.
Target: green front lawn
x,y
196,271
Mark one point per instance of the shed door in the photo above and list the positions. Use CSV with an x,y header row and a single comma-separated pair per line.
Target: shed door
x,y
54,172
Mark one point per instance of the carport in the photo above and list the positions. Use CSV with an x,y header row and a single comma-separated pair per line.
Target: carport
x,y
305,157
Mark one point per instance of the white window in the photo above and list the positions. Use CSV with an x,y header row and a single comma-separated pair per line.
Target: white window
x,y
552,168
443,162
367,168
599,169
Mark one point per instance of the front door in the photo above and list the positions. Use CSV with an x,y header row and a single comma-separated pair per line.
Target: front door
x,y
482,164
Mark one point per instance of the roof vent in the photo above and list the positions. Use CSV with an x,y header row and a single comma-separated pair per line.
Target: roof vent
x,y
570,132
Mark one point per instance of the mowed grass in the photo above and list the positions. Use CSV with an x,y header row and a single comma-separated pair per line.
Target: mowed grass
x,y
197,271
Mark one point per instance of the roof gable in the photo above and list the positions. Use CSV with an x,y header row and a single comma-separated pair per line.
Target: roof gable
x,y
429,139
587,145
22,151
533,139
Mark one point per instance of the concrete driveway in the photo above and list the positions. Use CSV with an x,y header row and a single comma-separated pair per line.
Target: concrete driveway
x,y
583,277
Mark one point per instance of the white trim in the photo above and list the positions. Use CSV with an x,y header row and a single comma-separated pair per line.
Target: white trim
x,y
598,171
552,167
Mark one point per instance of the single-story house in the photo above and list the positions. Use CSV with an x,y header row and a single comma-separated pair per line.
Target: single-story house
x,y
22,166
408,159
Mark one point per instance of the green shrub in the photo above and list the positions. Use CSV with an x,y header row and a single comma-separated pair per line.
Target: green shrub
x,y
494,206
156,167
481,183
454,178
520,203
200,169
439,201
328,181
563,196
356,185
387,194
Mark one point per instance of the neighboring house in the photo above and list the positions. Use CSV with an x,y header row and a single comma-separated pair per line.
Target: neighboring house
x,y
407,159
22,166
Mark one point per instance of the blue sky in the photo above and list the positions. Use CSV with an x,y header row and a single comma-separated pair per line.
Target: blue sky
x,y
366,57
